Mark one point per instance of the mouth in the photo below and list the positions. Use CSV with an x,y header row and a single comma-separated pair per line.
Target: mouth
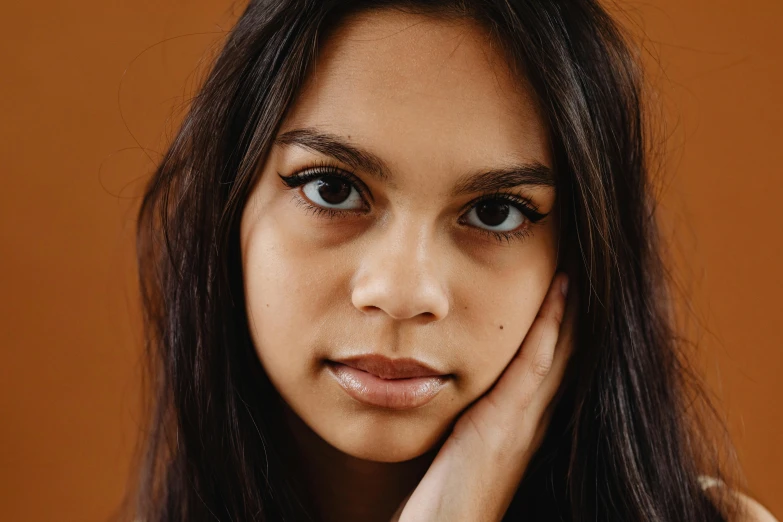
x,y
397,384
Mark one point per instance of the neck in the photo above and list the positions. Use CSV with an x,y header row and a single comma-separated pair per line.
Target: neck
x,y
345,488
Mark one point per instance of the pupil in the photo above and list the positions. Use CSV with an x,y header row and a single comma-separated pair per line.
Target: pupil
x,y
333,190
492,214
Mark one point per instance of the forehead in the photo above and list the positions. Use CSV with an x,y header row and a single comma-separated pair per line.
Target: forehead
x,y
419,90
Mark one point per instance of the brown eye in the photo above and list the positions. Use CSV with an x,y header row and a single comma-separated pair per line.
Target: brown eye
x,y
491,214
334,191
330,190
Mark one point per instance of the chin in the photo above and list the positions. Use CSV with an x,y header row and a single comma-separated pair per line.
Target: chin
x,y
388,440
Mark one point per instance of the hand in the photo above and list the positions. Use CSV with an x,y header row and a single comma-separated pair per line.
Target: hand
x,y
476,472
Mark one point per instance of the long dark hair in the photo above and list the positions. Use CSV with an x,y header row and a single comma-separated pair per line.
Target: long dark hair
x,y
625,442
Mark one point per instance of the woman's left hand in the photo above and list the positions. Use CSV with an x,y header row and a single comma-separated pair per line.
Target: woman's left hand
x,y
478,469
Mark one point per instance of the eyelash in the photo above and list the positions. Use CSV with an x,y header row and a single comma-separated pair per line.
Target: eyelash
x,y
320,170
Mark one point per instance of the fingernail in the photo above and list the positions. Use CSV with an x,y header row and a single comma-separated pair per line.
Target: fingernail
x,y
564,286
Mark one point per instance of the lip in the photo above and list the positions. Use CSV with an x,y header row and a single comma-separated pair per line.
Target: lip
x,y
396,384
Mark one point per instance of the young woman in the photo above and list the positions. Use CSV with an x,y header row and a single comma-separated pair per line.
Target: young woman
x,y
400,263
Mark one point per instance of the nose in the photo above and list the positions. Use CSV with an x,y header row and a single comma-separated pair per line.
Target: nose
x,y
400,275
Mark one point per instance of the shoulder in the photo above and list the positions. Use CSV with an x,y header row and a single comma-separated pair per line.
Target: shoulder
x,y
749,510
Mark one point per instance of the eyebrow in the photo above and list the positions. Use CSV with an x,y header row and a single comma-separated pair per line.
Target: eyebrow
x,y
339,148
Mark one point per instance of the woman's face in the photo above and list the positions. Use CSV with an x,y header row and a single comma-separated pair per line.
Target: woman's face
x,y
431,246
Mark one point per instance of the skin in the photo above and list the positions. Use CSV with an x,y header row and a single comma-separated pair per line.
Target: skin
x,y
403,275
434,100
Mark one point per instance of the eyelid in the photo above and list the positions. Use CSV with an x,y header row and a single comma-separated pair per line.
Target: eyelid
x,y
529,208
324,168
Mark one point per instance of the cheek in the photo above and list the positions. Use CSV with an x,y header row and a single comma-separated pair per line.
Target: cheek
x,y
299,306
289,290
501,305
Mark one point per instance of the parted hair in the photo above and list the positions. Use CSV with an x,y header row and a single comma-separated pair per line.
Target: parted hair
x,y
627,440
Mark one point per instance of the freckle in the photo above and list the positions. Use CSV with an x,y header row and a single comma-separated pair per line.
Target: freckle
x,y
501,326
267,305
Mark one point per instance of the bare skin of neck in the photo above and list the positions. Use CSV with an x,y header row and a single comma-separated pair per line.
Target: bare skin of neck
x,y
347,489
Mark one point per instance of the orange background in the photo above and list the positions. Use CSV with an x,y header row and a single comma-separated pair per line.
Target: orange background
x,y
72,171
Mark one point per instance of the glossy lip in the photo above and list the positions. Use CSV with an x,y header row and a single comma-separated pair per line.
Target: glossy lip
x,y
386,368
397,384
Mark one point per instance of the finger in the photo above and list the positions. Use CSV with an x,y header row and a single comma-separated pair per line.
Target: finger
x,y
533,361
563,350
543,403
